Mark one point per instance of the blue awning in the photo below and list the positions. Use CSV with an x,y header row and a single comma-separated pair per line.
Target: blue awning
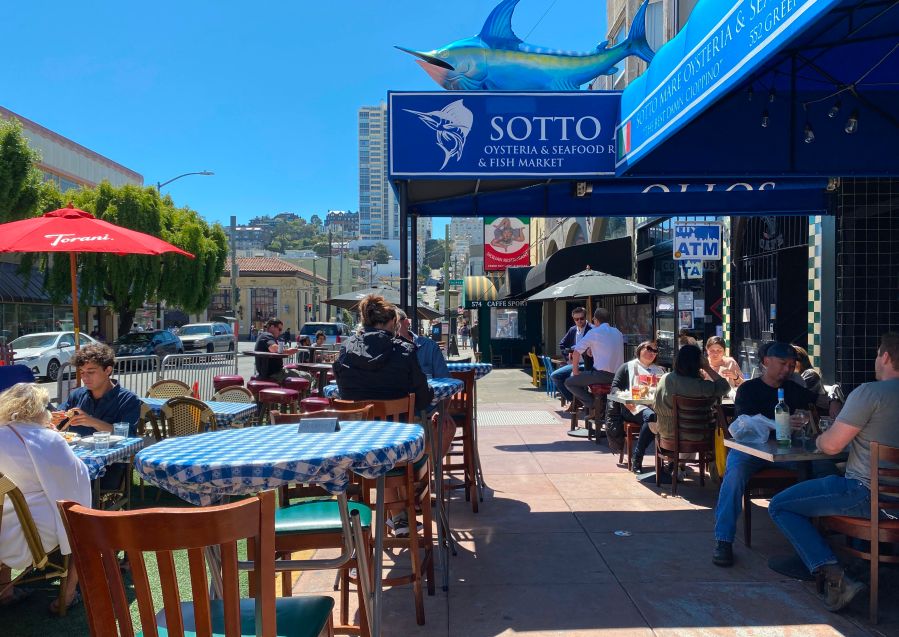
x,y
821,75
632,197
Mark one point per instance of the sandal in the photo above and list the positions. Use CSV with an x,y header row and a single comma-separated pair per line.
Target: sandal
x,y
54,605
17,595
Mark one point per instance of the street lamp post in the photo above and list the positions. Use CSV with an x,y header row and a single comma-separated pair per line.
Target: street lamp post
x,y
159,185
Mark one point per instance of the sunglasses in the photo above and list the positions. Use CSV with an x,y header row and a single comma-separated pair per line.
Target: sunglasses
x,y
580,318
654,351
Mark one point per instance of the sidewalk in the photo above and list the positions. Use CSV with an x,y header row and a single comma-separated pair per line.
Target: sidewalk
x,y
567,543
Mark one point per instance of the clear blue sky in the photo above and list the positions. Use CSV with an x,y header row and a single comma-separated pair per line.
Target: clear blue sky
x,y
264,94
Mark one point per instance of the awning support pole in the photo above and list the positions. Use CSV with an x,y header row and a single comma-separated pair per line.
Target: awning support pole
x,y
413,270
403,187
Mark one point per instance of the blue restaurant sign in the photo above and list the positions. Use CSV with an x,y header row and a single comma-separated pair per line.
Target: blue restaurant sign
x,y
697,241
486,134
723,43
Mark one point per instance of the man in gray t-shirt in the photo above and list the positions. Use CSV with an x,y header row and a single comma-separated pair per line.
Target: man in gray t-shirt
x,y
871,414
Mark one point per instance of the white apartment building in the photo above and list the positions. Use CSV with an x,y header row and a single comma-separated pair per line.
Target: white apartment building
x,y
379,210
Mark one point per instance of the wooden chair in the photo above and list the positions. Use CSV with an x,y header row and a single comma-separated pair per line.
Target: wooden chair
x,y
693,417
406,487
98,535
168,388
42,567
184,416
233,394
884,484
363,413
538,372
461,411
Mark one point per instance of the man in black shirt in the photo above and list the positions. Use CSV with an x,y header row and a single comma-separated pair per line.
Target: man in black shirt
x,y
757,397
272,367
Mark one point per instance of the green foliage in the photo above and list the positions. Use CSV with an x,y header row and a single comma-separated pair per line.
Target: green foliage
x,y
293,235
435,253
379,253
20,181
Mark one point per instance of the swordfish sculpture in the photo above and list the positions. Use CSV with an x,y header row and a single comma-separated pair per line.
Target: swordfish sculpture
x,y
496,59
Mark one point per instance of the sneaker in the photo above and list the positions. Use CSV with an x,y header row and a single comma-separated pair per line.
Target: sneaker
x,y
839,589
400,526
724,553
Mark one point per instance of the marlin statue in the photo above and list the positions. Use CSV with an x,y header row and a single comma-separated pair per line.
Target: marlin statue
x,y
496,59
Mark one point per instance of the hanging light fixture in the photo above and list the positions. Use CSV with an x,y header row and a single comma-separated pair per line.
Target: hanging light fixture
x,y
809,134
834,110
852,123
765,118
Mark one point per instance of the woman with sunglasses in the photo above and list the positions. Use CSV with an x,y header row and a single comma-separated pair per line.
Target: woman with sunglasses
x,y
725,366
643,364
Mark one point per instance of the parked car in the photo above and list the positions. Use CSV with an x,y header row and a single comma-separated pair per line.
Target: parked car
x,y
45,352
211,337
149,343
334,332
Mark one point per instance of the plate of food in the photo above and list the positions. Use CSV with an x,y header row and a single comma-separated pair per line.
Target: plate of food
x,y
70,437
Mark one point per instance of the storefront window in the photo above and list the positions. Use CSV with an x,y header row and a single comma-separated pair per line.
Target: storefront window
x,y
504,323
263,303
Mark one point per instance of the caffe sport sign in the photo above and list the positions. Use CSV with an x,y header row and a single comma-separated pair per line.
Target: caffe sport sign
x,y
723,43
487,134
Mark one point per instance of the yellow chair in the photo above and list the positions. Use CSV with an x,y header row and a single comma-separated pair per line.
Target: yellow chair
x,y
538,372
42,568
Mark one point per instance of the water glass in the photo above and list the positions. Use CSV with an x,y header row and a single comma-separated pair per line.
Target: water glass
x,y
101,440
824,423
121,429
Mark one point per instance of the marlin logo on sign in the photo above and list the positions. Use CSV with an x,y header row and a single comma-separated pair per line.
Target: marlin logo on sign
x,y
452,125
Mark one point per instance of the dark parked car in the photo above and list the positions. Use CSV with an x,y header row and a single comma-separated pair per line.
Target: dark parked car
x,y
154,342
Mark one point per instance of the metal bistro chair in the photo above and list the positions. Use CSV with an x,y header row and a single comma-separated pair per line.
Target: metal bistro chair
x,y
97,536
537,370
168,388
692,417
874,530
550,368
184,416
233,394
42,567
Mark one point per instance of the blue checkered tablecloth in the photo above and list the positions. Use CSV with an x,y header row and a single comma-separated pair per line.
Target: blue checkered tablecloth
x,y
204,468
98,459
480,369
226,414
443,388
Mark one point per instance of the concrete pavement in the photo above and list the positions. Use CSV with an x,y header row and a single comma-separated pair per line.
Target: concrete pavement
x,y
567,543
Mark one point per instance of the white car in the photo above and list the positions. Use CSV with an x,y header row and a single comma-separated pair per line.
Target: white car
x,y
45,352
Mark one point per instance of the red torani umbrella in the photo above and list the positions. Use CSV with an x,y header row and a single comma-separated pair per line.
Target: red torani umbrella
x,y
72,230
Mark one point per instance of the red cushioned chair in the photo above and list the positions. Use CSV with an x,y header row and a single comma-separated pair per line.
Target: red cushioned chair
x,y
313,404
226,380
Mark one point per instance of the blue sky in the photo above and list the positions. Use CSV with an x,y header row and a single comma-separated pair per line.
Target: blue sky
x,y
264,94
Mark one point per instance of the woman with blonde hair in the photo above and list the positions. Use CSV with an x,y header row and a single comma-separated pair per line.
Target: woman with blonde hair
x,y
40,462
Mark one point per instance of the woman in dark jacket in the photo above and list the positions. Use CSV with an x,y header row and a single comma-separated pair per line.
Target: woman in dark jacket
x,y
377,365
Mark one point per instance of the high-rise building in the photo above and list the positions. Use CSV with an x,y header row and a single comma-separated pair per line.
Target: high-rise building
x,y
379,211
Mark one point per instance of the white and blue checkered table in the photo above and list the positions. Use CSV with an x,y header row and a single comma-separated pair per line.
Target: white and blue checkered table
x,y
98,459
480,369
226,414
443,388
204,468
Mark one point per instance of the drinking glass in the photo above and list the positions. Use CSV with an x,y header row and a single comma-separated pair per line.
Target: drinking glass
x,y
824,423
121,429
803,416
101,440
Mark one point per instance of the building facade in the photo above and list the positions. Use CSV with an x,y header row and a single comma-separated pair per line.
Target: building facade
x,y
379,211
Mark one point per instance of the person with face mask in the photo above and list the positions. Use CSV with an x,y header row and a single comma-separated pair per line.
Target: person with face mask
x,y
754,397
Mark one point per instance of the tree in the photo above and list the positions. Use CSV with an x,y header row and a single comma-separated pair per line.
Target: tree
x,y
127,282
380,254
21,184
435,253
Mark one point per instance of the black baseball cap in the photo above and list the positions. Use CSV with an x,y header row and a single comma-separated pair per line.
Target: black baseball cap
x,y
783,351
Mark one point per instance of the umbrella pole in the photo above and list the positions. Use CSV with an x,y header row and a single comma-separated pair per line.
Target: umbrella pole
x,y
73,271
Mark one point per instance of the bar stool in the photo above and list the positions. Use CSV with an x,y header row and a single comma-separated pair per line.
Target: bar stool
x,y
256,386
284,400
226,380
315,403
299,384
600,399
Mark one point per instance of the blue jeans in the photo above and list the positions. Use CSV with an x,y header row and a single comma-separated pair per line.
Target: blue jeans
x,y
833,495
559,377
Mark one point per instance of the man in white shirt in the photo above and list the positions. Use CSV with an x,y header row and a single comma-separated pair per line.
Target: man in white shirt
x,y
606,344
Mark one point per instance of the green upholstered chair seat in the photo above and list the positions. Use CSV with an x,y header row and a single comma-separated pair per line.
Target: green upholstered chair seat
x,y
419,464
295,617
316,516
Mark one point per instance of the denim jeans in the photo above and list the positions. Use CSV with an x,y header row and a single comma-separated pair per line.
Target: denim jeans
x,y
559,377
646,436
792,509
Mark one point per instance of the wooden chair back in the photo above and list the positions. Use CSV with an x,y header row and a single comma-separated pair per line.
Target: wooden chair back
x,y
396,410
168,388
695,420
884,479
185,416
233,394
362,413
97,536
462,403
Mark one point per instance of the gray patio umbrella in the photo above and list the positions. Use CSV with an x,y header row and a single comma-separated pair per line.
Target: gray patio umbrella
x,y
591,283
350,300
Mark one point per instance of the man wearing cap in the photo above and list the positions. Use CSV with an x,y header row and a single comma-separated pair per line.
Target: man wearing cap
x,y
754,397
